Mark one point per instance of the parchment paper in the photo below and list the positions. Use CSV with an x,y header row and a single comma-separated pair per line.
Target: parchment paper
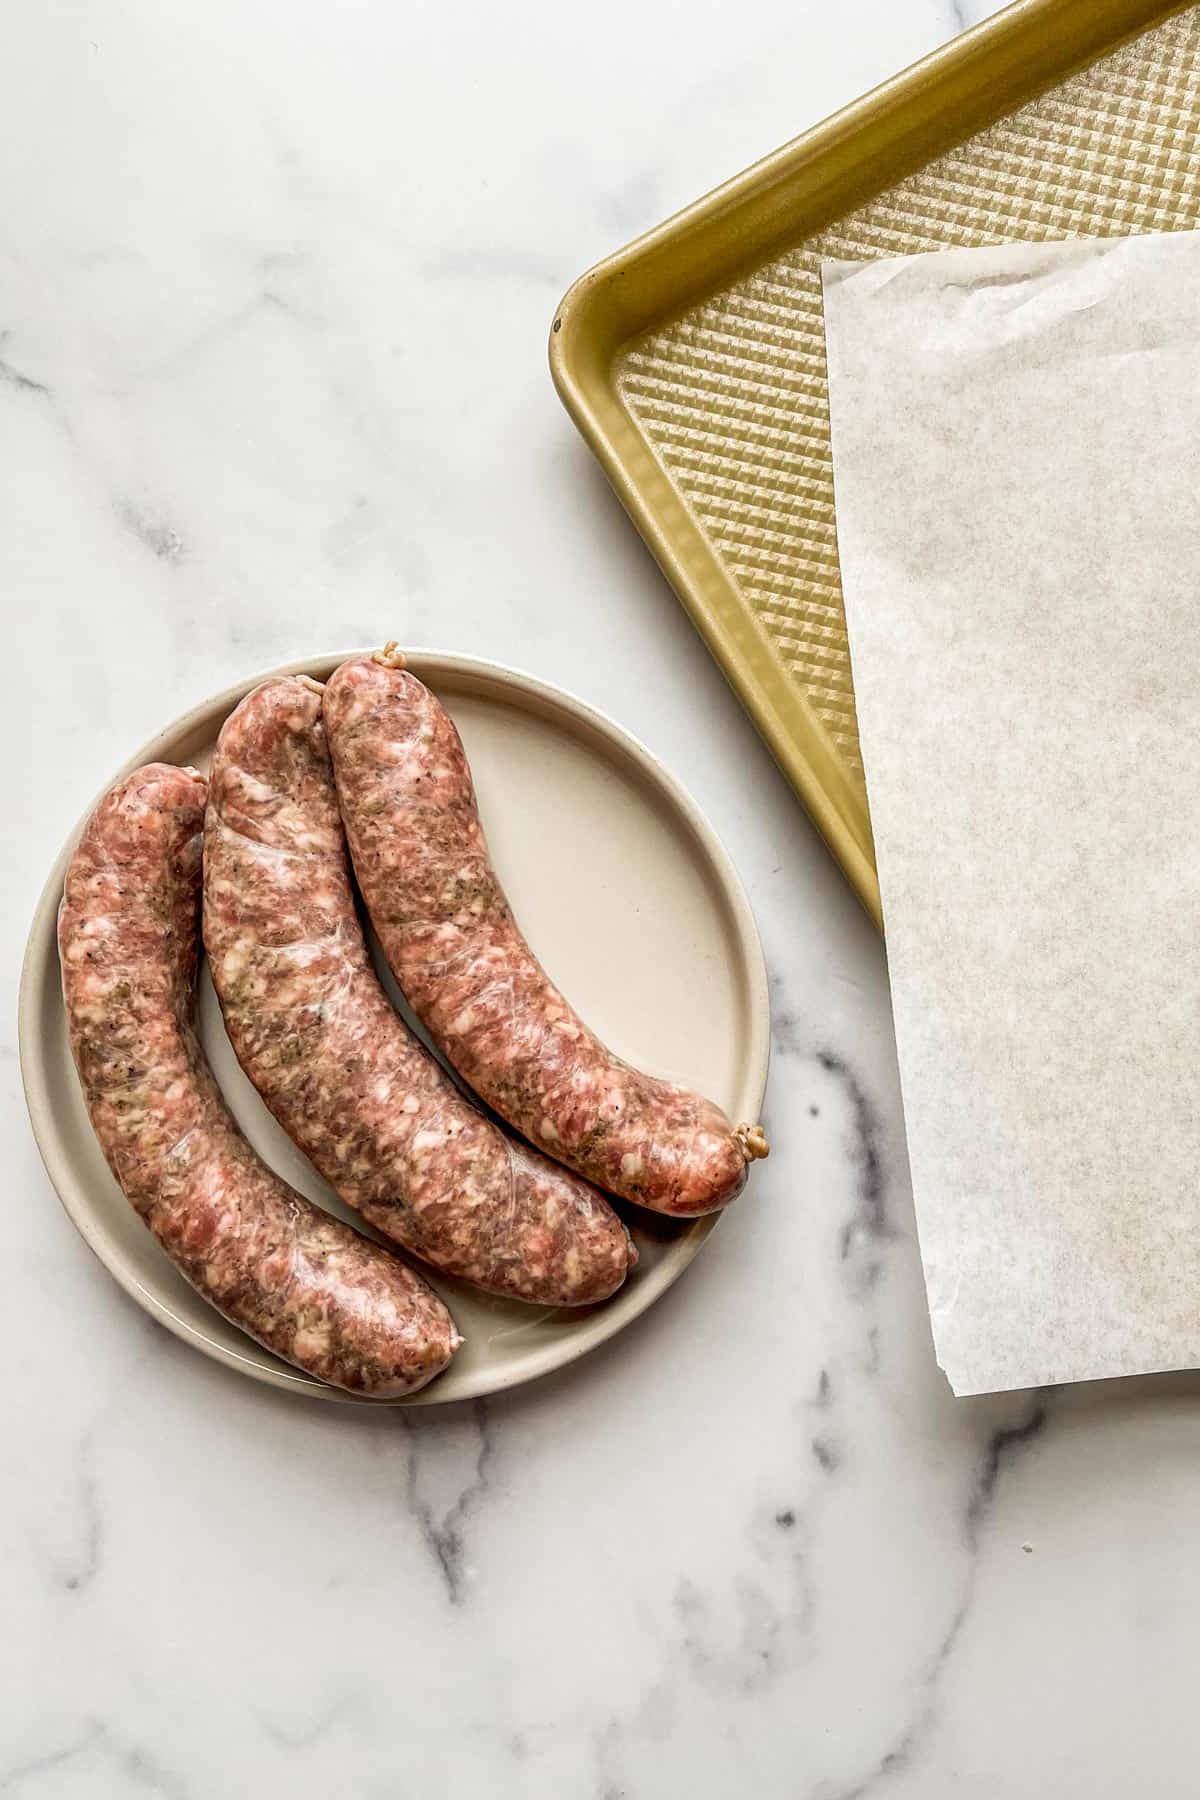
x,y
1016,436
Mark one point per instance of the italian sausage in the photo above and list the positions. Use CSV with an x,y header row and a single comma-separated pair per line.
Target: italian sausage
x,y
319,1038
448,934
304,1284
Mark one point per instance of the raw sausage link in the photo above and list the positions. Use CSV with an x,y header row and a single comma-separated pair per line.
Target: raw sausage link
x,y
319,1038
452,943
304,1284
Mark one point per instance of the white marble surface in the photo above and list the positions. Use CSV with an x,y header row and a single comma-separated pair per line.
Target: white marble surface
x,y
274,290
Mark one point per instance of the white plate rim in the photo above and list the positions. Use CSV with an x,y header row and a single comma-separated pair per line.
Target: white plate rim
x,y
599,1326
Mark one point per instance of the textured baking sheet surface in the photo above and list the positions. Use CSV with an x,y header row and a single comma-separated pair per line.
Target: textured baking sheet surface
x,y
733,395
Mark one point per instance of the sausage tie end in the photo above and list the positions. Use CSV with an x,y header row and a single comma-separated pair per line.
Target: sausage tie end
x,y
752,1141
390,657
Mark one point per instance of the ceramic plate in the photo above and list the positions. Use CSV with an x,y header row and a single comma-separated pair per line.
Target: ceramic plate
x,y
628,899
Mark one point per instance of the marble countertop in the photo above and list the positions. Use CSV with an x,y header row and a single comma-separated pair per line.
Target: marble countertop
x,y
273,304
